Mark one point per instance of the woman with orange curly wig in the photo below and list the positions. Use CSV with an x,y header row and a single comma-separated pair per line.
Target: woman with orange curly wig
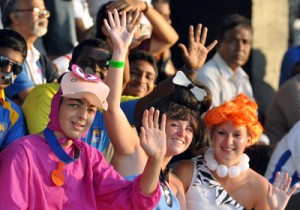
x,y
221,178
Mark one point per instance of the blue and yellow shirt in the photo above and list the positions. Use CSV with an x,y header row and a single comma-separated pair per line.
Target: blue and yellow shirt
x,y
12,122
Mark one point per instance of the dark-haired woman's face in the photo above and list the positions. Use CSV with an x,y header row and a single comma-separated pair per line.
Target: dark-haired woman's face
x,y
179,136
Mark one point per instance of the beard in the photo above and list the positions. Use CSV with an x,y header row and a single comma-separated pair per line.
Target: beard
x,y
40,27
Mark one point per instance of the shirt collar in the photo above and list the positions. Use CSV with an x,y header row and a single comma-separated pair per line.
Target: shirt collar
x,y
2,95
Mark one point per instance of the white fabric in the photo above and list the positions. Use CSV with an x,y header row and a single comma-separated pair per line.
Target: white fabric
x,y
286,156
81,10
223,83
34,72
202,196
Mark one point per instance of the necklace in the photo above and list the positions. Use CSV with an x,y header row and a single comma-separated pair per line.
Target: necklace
x,y
223,170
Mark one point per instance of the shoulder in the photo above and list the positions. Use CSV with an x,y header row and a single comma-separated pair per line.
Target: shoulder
x,y
258,186
184,170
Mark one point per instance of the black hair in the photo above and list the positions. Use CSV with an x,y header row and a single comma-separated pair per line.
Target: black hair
x,y
96,43
141,55
232,21
12,39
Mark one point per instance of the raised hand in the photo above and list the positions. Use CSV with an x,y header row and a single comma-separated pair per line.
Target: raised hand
x,y
120,31
279,194
195,55
152,135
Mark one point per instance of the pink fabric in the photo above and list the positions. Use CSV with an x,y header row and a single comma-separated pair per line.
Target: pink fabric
x,y
54,119
90,182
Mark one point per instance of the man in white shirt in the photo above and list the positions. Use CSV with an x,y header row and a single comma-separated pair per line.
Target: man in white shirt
x,y
223,74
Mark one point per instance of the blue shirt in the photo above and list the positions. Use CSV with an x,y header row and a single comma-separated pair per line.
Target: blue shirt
x,y
21,83
12,122
97,135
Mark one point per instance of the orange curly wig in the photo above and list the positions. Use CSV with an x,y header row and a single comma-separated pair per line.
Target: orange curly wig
x,y
240,111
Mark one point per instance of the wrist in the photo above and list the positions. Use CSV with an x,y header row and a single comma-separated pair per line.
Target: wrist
x,y
188,69
147,6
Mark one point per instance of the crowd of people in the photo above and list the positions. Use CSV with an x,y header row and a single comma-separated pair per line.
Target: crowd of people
x,y
96,116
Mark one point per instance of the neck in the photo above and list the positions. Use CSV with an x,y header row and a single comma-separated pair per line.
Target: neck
x,y
64,144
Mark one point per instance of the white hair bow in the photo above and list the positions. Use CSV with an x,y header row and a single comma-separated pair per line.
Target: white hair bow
x,y
182,80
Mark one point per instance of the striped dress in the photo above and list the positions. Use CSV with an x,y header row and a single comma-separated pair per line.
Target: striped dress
x,y
206,193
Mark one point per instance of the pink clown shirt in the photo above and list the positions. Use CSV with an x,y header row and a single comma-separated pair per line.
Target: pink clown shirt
x,y
89,182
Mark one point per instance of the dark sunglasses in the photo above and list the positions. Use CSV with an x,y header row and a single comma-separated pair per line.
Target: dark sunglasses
x,y
16,67
91,64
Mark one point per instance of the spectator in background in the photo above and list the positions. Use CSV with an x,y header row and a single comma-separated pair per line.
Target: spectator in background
x,y
13,51
163,35
30,19
164,60
284,109
223,74
143,72
61,36
287,71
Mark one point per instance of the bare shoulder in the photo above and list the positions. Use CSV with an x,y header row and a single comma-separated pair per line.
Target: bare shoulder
x,y
258,186
184,170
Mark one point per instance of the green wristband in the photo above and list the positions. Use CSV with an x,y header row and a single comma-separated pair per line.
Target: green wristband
x,y
116,64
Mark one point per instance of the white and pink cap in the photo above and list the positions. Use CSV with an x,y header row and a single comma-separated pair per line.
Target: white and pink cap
x,y
77,84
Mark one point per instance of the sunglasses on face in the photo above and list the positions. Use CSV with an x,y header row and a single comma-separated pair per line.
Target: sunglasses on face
x,y
16,67
92,65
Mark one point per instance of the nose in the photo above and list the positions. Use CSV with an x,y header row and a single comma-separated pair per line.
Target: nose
x,y
181,131
82,114
229,139
142,79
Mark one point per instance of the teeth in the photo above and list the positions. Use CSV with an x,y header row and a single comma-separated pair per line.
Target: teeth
x,y
178,141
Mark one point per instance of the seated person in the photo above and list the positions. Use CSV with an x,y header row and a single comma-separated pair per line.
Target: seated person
x,y
13,50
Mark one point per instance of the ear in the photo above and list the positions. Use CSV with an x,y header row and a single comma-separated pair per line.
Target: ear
x,y
14,18
249,140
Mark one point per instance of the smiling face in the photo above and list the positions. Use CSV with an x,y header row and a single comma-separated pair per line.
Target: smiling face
x,y
229,142
142,78
236,46
75,116
179,136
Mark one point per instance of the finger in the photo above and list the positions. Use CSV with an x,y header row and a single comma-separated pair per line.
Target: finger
x,y
212,45
143,135
116,17
123,19
156,119
198,32
111,20
191,34
203,35
184,50
163,123
145,119
275,184
270,189
294,188
150,117
107,26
